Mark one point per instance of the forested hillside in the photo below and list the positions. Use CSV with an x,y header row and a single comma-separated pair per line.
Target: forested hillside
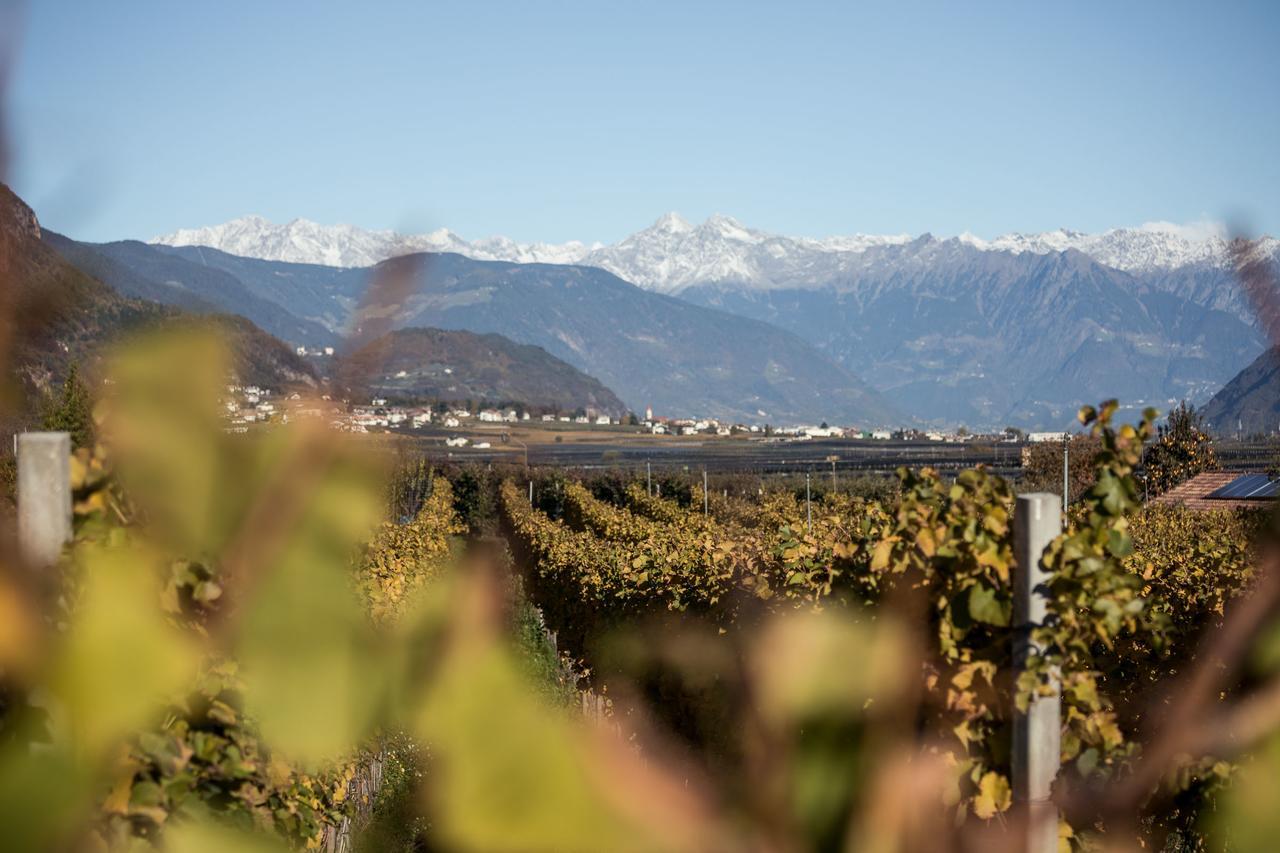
x,y
56,314
445,365
1250,402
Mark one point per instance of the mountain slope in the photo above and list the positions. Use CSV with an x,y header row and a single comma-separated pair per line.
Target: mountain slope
x,y
454,366
257,358
154,273
52,314
1250,402
58,314
650,349
1020,329
653,350
953,331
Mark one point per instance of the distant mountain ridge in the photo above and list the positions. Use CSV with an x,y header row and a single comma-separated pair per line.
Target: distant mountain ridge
x,y
1017,330
302,241
140,271
650,349
487,368
945,329
673,253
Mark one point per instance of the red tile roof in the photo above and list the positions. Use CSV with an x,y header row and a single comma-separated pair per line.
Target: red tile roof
x,y
1193,493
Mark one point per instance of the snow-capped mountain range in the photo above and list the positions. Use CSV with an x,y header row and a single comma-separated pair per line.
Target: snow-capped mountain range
x,y
673,253
1018,329
305,242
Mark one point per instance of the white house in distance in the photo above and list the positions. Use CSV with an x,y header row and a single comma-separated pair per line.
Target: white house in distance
x,y
456,441
1038,437
603,420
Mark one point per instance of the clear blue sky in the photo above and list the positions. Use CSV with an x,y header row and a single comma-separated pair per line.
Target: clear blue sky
x,y
564,120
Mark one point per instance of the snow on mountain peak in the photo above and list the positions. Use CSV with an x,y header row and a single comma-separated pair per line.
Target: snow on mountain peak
x,y
673,253
304,241
727,225
1145,248
672,223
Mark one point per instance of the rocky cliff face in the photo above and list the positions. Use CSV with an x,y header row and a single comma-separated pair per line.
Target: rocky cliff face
x,y
17,220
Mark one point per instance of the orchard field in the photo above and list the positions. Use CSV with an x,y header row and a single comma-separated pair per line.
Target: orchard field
x,y
288,640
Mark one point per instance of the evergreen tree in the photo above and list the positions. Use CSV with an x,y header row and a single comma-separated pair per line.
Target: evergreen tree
x,y
72,412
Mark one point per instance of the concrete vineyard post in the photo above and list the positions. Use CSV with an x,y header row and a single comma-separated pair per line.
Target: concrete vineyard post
x,y
808,503
44,495
648,477
1066,477
706,505
1037,731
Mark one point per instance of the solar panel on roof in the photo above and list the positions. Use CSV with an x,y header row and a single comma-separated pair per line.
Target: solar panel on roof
x,y
1247,487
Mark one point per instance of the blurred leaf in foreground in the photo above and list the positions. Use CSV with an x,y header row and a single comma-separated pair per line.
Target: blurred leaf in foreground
x,y
303,632
1248,816
161,420
512,773
44,797
210,837
121,661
